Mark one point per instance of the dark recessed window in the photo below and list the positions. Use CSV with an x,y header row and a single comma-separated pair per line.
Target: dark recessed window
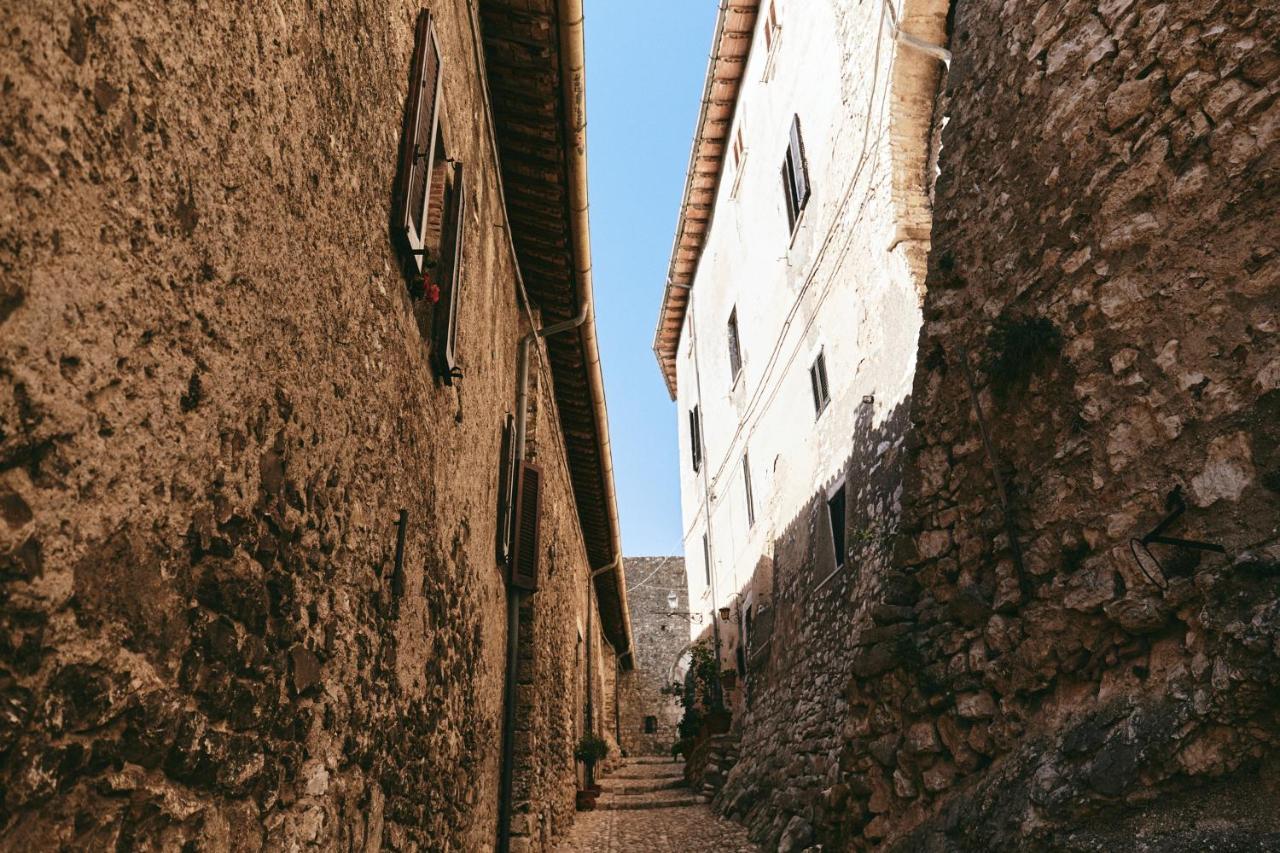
x,y
818,379
735,346
650,725
795,175
695,438
746,483
706,557
835,515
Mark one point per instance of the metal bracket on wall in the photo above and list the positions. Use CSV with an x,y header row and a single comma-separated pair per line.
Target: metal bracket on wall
x,y
1175,505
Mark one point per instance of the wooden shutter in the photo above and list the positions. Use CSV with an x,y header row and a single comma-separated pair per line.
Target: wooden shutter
x,y
418,145
450,269
735,347
506,489
799,165
525,550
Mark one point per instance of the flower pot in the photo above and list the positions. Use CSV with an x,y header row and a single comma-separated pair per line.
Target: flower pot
x,y
718,722
586,800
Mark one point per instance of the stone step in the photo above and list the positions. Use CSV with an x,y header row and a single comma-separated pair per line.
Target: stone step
x,y
640,786
649,759
656,800
649,771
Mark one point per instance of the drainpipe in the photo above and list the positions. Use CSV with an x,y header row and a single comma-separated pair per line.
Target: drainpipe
x,y
514,595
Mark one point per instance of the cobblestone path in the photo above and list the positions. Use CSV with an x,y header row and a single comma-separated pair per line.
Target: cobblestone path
x,y
645,809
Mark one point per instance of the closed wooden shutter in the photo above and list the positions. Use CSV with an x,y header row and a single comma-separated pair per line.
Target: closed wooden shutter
x,y
525,549
450,272
418,145
695,438
799,165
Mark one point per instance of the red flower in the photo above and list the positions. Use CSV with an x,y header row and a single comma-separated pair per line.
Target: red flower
x,y
430,291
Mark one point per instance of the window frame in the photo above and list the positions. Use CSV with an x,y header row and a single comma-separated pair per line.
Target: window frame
x,y
735,345
695,437
795,176
819,384
839,540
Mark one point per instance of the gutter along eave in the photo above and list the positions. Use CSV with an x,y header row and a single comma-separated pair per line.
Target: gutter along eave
x,y
574,94
726,65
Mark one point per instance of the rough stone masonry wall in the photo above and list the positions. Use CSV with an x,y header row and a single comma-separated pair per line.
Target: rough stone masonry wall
x,y
659,640
214,402
1104,267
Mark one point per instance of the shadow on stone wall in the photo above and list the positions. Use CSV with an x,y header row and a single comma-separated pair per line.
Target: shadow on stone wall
x,y
801,648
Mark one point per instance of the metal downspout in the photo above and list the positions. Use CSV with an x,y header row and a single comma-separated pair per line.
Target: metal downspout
x,y
514,595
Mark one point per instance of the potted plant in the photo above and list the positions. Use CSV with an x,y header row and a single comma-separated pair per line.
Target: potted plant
x,y
591,749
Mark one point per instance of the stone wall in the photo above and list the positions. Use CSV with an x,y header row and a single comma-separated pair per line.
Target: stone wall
x,y
1105,307
1100,345
215,401
659,640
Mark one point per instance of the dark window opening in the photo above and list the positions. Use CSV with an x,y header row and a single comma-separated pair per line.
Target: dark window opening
x,y
706,557
735,346
795,175
746,482
818,379
695,438
835,514
650,725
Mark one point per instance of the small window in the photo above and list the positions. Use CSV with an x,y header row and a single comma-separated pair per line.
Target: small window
x,y
735,347
706,558
695,438
650,725
771,28
746,483
738,148
835,515
795,175
818,380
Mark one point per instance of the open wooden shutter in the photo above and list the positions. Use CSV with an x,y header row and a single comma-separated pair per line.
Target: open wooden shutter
x,y
506,489
799,165
446,312
525,549
418,145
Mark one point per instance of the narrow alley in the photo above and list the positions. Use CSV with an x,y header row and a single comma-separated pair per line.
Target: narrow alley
x,y
645,806
874,449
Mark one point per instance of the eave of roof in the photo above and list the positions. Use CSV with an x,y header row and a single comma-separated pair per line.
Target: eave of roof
x,y
540,128
730,49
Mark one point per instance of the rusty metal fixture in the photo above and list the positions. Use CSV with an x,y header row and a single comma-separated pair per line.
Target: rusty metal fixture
x,y
1150,565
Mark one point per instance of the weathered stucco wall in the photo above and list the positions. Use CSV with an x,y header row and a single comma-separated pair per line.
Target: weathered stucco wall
x,y
215,402
659,641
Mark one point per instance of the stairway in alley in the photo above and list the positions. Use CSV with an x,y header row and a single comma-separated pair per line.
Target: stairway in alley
x,y
646,806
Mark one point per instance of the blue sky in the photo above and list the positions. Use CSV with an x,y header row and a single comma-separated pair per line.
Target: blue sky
x,y
645,67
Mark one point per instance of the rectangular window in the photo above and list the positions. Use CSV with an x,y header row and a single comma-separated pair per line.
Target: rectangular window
x,y
695,438
706,557
771,28
818,379
735,347
746,483
795,175
738,148
835,515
